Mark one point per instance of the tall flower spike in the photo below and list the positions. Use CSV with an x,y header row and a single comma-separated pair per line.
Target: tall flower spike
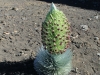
x,y
55,27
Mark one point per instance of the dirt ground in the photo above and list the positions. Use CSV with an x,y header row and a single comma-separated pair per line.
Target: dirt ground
x,y
20,34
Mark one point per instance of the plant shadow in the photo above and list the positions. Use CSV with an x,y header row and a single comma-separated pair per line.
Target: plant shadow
x,y
85,4
17,68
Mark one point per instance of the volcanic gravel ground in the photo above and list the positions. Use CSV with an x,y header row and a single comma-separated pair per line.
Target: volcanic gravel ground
x,y
20,34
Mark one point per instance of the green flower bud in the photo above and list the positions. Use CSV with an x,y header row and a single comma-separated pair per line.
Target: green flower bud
x,y
55,31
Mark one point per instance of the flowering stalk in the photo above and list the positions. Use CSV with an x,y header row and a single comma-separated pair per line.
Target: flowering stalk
x,y
54,57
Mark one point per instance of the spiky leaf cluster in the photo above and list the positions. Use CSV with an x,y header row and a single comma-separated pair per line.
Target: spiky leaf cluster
x,y
48,64
55,32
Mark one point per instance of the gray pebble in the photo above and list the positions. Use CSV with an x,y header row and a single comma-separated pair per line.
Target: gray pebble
x,y
24,18
84,27
98,54
15,9
89,19
96,17
96,38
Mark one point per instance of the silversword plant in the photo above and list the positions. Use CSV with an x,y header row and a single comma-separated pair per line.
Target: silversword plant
x,y
54,57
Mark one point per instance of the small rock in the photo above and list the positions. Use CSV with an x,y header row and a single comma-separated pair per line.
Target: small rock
x,y
74,35
96,17
1,21
6,33
25,54
48,4
84,27
15,9
5,50
96,38
83,62
99,60
35,23
15,31
26,49
75,70
78,45
89,19
18,54
98,54
39,12
24,18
